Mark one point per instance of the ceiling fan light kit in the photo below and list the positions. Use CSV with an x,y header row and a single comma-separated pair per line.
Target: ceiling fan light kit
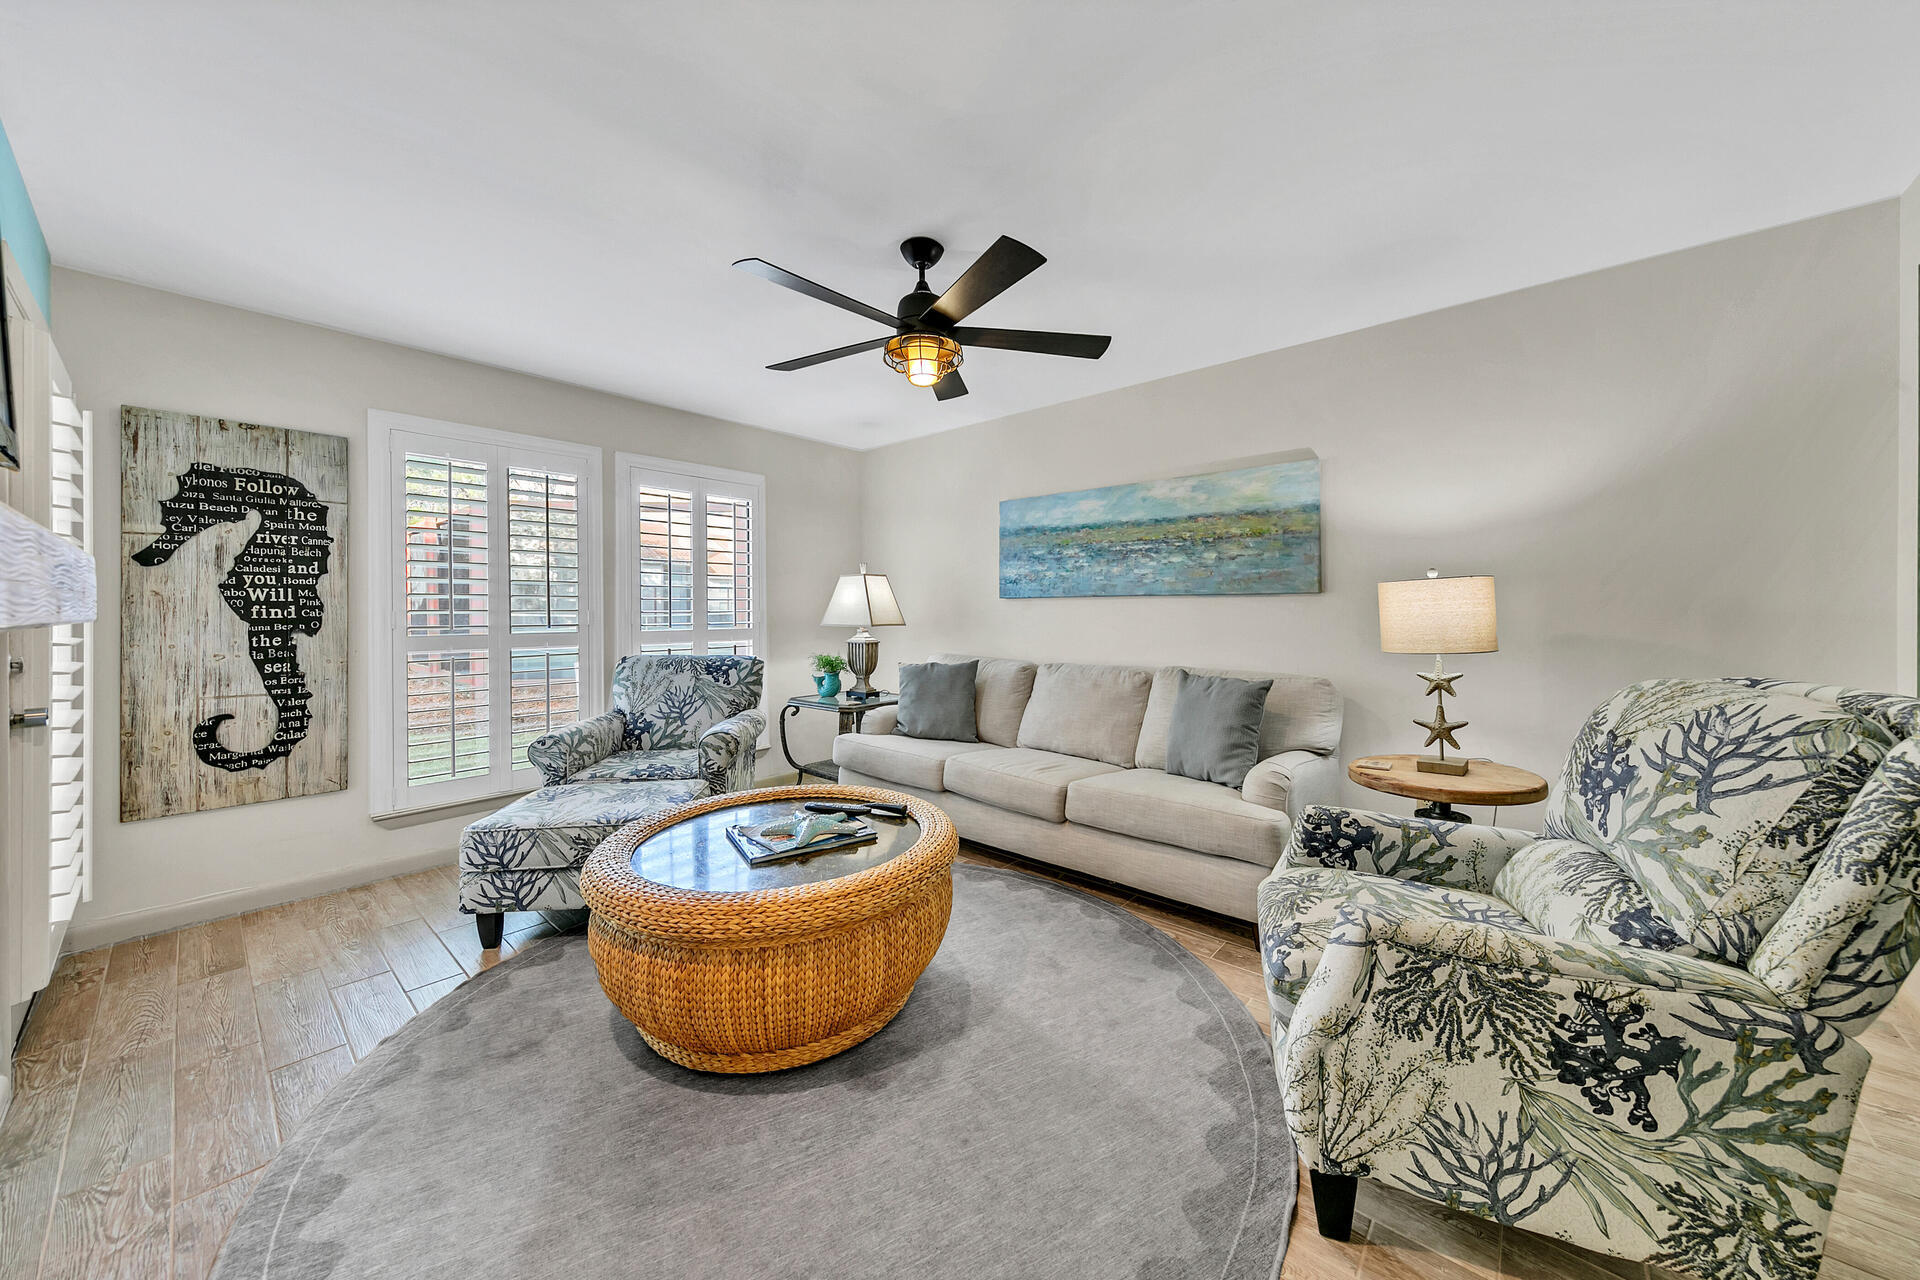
x,y
927,342
924,357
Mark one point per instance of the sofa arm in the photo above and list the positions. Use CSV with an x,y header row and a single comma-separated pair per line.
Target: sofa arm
x,y
564,752
1293,780
880,720
726,751
1459,855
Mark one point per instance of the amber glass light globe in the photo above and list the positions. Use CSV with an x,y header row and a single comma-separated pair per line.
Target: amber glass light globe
x,y
924,357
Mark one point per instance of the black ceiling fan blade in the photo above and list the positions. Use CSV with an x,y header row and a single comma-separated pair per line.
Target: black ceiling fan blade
x,y
1005,263
949,387
800,284
1085,346
821,357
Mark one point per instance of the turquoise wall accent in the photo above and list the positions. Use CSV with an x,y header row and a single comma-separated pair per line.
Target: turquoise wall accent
x,y
21,229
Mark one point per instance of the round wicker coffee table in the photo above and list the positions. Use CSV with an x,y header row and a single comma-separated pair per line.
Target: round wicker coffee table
x,y
729,967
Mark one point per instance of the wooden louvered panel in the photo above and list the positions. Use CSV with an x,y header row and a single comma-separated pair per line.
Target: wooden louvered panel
x,y
70,796
447,546
543,549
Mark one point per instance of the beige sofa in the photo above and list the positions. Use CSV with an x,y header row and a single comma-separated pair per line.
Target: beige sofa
x,y
1070,769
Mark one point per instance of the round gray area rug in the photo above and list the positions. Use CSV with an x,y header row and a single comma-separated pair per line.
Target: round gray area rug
x,y
1069,1093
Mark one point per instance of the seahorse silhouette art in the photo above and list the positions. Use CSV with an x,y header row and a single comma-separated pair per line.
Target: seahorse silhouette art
x,y
273,587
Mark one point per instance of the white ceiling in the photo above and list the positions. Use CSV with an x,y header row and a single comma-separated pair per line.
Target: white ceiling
x,y
560,187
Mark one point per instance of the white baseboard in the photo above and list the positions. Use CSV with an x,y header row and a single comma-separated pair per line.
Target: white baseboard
x,y
85,935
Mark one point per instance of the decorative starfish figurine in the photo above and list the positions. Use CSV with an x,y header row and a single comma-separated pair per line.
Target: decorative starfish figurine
x,y
1439,681
1440,729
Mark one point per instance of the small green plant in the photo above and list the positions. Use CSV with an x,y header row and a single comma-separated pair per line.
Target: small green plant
x,y
828,664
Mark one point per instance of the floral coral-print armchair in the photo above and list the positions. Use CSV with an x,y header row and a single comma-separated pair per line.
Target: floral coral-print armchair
x,y
681,729
1634,1031
673,718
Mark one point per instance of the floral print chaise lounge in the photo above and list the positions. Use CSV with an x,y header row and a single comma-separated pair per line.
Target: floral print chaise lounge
x,y
1634,1031
681,728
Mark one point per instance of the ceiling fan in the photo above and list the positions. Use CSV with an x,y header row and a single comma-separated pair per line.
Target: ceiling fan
x,y
928,341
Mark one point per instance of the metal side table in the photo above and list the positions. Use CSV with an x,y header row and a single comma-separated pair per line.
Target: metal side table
x,y
852,712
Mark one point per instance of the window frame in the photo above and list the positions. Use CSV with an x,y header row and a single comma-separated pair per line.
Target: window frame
x,y
389,438
630,471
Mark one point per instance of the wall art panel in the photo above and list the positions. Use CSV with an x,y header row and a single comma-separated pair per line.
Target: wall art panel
x,y
233,634
1248,531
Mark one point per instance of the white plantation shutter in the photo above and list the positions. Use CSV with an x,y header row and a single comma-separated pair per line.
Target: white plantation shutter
x,y
70,851
688,558
492,596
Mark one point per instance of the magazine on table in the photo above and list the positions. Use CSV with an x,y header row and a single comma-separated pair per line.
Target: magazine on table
x,y
794,837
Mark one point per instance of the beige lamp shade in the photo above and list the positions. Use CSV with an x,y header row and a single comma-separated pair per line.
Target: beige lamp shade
x,y
1437,615
863,600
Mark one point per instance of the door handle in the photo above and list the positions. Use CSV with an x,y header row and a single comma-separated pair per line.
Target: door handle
x,y
34,719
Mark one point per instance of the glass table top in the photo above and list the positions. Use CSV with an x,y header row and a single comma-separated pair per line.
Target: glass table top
x,y
696,854
845,701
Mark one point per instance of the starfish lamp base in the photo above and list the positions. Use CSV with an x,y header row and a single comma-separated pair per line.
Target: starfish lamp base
x,y
1440,729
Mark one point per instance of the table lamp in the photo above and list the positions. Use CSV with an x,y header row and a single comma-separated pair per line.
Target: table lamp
x,y
1439,616
862,600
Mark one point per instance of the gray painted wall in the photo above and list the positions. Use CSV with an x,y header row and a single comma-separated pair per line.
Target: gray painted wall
x,y
1680,466
128,345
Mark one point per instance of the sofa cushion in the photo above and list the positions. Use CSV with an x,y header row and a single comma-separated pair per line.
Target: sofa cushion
x,y
559,826
1021,779
1080,709
1716,796
640,766
1571,890
1001,688
1216,728
937,701
910,762
1303,714
1184,812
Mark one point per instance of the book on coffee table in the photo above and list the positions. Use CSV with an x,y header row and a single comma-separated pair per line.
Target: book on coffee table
x,y
798,836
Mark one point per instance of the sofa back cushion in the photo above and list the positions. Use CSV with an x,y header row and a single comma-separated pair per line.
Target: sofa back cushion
x,y
1303,714
1080,709
1717,796
1001,687
670,700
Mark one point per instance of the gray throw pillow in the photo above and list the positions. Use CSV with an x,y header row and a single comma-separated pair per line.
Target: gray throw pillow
x,y
936,701
1215,735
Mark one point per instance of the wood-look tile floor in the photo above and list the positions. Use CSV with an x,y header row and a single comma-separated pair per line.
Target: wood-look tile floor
x,y
155,1079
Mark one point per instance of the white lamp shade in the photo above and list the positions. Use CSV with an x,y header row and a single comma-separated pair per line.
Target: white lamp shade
x,y
863,600
1438,615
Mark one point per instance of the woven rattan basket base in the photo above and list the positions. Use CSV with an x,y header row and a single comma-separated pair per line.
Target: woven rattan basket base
x,y
763,981
778,1060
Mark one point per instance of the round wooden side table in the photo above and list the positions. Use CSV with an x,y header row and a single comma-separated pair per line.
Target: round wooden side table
x,y
1484,783
729,967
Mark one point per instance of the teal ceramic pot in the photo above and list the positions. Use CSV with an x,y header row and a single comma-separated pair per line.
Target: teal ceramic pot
x,y
828,684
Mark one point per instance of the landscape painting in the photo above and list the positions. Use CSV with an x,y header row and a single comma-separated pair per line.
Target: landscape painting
x,y
1251,531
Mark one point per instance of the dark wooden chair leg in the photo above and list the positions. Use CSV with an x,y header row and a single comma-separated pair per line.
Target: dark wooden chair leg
x,y
490,923
1333,1203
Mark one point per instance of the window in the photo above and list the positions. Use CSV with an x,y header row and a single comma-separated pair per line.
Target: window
x,y
689,558
487,563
